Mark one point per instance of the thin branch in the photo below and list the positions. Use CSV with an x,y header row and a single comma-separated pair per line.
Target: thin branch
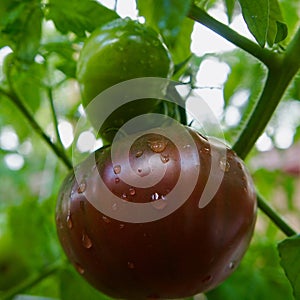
x,y
275,217
32,281
54,117
265,56
23,109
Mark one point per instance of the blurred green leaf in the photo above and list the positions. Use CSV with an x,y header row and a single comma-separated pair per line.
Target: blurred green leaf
x,y
78,16
289,251
168,17
28,44
20,27
30,89
74,287
257,277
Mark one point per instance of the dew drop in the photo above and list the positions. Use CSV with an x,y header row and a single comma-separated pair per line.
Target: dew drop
x,y
82,205
157,146
81,187
131,265
106,219
155,196
224,164
207,279
124,196
139,153
231,265
132,191
205,150
159,201
69,221
121,226
143,172
117,180
79,268
186,146
164,158
86,241
114,207
117,169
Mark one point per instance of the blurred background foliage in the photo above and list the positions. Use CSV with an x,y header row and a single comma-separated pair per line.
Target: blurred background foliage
x,y
38,60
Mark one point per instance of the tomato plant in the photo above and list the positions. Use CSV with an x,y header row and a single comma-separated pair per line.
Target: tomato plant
x,y
56,56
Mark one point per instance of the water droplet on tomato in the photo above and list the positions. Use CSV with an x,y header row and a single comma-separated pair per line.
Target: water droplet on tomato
x,y
82,205
155,196
81,187
224,164
159,201
117,180
157,145
114,206
231,265
143,172
164,158
69,221
205,150
132,191
207,279
79,268
117,169
106,219
124,196
139,153
121,226
86,241
131,265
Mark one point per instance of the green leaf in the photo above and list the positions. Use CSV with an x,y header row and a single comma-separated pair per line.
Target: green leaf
x,y
20,27
181,47
30,89
29,41
289,251
74,287
79,16
256,15
168,17
264,20
64,52
277,30
229,4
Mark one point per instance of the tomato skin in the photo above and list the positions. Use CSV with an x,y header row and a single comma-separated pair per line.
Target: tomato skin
x,y
187,252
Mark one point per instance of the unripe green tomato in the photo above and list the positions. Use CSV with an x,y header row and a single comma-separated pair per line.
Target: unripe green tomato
x,y
121,50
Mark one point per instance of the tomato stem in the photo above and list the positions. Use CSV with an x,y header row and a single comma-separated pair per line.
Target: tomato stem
x,y
264,55
279,77
273,215
23,109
